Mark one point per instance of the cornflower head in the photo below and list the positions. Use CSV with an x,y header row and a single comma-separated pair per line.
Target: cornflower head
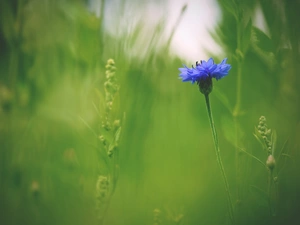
x,y
203,73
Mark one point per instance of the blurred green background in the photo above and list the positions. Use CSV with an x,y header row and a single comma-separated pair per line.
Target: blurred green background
x,y
52,59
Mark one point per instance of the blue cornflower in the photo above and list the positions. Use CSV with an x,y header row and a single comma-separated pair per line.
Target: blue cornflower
x,y
188,74
204,72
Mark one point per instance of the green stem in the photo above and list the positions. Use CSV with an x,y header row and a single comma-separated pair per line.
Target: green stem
x,y
270,181
217,149
237,106
237,167
236,113
101,31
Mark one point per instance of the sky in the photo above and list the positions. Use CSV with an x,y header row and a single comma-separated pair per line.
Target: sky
x,y
191,39
192,34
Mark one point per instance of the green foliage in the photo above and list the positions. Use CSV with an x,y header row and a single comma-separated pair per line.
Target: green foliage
x,y
53,102
246,37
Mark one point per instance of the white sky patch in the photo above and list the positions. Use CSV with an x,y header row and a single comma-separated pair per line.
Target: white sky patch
x,y
191,37
259,20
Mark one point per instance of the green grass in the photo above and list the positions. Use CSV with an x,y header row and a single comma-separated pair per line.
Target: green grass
x,y
52,62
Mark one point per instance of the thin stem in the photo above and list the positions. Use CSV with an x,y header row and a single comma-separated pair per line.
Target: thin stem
x,y
217,150
269,191
237,161
275,196
236,113
237,106
101,31
257,159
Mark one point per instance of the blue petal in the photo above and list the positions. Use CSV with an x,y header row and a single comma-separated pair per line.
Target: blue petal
x,y
221,70
188,74
204,70
207,68
210,62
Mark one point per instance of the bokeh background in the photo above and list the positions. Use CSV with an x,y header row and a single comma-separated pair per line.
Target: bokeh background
x,y
52,61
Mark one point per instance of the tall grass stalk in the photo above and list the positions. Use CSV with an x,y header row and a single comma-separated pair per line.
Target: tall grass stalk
x,y
235,114
219,160
269,192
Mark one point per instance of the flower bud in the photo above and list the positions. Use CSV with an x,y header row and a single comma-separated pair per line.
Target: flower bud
x,y
263,128
205,85
102,188
265,138
110,62
35,188
106,125
110,153
102,139
107,85
262,118
156,217
116,123
268,132
271,162
269,149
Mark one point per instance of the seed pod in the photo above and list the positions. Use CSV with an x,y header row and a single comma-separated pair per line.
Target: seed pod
x,y
271,162
156,217
102,189
35,188
116,124
262,118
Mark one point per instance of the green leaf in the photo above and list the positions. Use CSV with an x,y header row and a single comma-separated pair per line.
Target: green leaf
x,y
262,46
261,40
258,137
246,37
273,141
7,22
107,134
252,156
117,135
231,7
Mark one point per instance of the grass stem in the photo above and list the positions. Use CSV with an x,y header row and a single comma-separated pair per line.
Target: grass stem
x,y
217,150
